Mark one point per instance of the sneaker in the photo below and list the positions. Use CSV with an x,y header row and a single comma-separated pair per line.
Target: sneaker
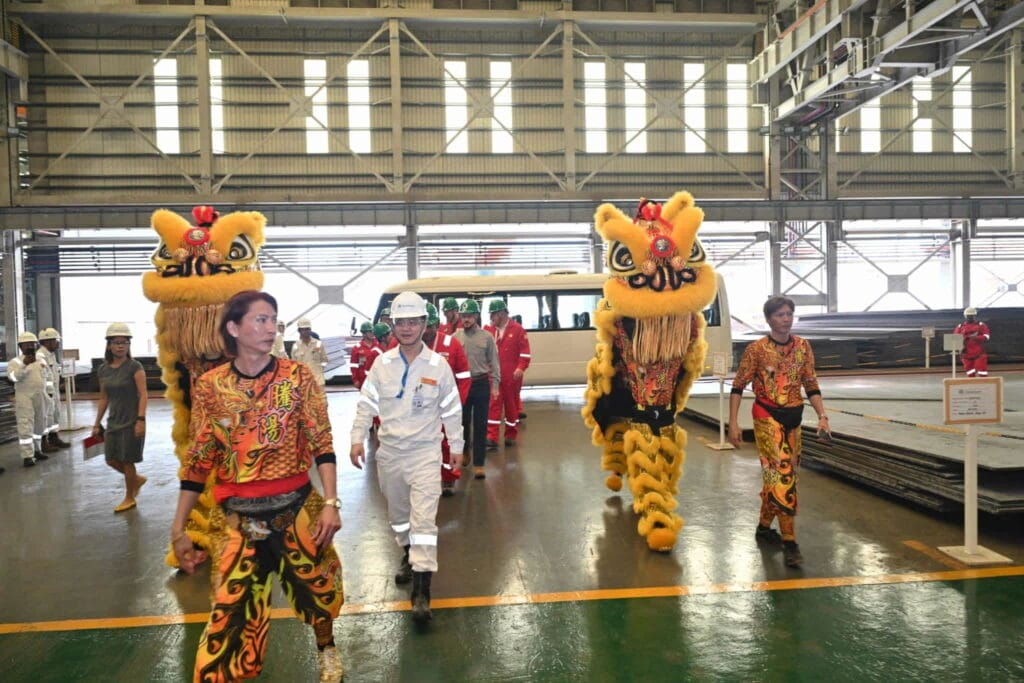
x,y
510,442
465,458
329,662
478,473
791,554
767,535
491,444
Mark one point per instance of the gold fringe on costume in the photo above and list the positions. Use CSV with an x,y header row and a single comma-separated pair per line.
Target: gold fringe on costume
x,y
657,339
196,326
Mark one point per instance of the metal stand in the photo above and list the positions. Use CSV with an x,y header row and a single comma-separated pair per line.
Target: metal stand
x,y
927,352
722,444
953,353
970,552
69,391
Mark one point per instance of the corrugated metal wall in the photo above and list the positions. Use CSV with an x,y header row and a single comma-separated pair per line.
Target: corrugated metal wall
x,y
115,161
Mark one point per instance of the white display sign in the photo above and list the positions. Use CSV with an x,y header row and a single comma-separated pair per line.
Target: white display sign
x,y
977,400
719,363
67,368
952,342
928,332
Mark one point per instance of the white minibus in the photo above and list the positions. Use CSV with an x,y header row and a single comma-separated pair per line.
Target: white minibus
x,y
556,311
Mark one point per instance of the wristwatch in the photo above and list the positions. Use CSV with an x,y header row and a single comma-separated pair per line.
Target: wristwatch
x,y
332,502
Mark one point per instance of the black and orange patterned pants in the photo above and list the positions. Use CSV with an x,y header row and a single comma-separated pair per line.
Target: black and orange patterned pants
x,y
249,552
779,450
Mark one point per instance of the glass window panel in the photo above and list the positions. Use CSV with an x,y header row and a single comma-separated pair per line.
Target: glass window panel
x,y
360,128
165,96
635,100
693,109
501,91
315,73
456,113
595,115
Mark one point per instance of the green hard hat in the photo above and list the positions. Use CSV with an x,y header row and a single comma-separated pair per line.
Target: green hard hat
x,y
381,330
432,317
366,327
470,306
496,306
449,304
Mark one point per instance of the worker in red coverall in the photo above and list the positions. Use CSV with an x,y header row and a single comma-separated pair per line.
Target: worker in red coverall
x,y
450,309
976,335
381,335
514,358
362,355
449,347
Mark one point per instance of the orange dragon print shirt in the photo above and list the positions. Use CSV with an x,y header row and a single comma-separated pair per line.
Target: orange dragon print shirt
x,y
778,371
257,429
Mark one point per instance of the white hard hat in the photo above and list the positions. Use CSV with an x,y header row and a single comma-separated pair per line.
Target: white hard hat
x,y
119,330
408,305
970,310
49,333
304,324
27,337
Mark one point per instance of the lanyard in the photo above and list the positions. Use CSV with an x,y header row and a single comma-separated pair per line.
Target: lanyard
x,y
405,374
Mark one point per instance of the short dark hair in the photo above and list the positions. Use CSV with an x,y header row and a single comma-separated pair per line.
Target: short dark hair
x,y
775,303
235,309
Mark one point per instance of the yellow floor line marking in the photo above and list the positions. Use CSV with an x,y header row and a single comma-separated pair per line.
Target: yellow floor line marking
x,y
935,554
541,598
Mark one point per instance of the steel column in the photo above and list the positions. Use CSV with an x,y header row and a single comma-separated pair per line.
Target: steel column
x,y
205,117
395,76
569,104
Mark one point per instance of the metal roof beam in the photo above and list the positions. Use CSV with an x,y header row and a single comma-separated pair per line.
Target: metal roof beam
x,y
84,11
494,213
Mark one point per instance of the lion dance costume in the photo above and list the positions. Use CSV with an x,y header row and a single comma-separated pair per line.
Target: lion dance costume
x,y
650,348
198,268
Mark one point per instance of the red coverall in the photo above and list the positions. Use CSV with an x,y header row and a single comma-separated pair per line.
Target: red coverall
x,y
449,347
513,354
973,356
359,362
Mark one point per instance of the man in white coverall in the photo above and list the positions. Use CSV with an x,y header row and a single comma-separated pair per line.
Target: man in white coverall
x,y
310,351
49,340
413,390
28,373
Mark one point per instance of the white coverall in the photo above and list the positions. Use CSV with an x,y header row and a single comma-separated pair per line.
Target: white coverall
x,y
52,378
312,354
278,349
413,400
29,403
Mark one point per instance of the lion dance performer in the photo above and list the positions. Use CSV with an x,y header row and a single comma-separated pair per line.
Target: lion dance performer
x,y
197,269
650,349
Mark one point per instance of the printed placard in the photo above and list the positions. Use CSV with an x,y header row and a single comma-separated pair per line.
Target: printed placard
x,y
952,342
719,363
977,400
927,332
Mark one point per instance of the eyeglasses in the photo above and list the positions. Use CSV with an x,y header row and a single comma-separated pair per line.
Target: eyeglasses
x,y
408,322
119,342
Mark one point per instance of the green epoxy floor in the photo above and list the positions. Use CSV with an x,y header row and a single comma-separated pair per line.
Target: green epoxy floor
x,y
542,522
936,631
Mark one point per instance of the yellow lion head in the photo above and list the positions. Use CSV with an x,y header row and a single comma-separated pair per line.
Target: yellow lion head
x,y
206,263
656,264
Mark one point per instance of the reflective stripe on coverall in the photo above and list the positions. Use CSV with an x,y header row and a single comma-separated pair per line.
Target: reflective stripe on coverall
x,y
29,403
413,401
52,378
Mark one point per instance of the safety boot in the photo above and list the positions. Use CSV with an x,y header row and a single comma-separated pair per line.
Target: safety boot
x,y
421,597
39,455
57,442
405,574
791,555
46,447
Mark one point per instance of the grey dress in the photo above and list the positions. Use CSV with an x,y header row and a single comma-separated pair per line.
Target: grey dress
x,y
120,444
